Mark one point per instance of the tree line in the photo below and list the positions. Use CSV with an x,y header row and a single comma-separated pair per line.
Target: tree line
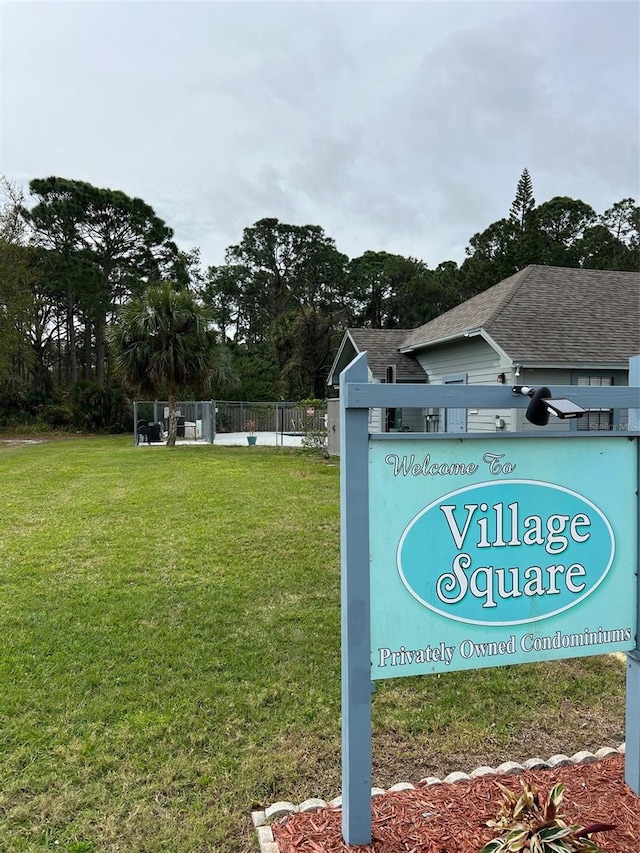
x,y
73,255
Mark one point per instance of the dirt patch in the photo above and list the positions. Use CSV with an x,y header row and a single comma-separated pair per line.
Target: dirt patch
x,y
22,440
398,758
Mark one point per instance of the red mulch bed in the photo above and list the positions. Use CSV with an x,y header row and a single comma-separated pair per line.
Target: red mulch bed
x,y
451,818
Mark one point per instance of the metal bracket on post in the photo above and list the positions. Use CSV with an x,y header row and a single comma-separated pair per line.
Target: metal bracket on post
x,y
632,723
356,638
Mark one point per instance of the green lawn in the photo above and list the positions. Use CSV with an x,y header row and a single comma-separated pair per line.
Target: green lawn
x,y
170,654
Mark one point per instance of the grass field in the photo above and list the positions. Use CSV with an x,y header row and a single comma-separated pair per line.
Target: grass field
x,y
170,654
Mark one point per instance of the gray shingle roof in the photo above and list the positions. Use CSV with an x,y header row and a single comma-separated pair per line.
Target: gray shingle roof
x,y
549,315
383,349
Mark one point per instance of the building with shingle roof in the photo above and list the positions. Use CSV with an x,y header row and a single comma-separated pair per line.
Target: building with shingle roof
x,y
548,316
541,326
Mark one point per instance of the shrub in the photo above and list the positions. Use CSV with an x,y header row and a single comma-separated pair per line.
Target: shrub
x,y
96,409
314,434
56,416
527,826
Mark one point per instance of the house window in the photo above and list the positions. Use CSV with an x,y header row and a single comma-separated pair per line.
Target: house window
x,y
596,419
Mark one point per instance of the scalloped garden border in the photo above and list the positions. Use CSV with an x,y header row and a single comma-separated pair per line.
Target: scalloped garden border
x,y
261,819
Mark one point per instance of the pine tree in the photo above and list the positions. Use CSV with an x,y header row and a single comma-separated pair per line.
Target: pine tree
x,y
524,202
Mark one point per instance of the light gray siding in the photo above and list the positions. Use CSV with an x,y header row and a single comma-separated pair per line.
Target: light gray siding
x,y
376,416
376,420
473,356
481,364
619,417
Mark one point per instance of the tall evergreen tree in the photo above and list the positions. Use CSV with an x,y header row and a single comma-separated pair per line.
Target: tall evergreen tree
x,y
18,276
392,291
287,287
18,273
13,227
493,254
524,202
121,237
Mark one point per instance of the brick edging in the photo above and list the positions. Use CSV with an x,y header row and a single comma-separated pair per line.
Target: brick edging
x,y
260,819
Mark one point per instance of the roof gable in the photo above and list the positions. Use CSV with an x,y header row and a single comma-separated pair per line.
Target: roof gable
x,y
383,349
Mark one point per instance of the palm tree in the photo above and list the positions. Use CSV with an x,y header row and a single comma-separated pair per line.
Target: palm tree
x,y
162,341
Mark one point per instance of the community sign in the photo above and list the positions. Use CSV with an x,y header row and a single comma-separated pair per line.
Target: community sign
x,y
485,553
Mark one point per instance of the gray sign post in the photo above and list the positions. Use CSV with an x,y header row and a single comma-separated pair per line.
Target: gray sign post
x,y
632,728
357,396
356,643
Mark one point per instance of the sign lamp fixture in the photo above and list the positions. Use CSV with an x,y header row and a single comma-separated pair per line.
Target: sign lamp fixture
x,y
542,405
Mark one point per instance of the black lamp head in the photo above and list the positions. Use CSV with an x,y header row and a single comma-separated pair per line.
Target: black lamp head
x,y
537,411
542,405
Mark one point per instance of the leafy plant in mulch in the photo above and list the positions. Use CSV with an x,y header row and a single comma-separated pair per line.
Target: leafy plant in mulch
x,y
527,826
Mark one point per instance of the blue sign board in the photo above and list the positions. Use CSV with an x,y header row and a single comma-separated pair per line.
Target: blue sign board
x,y
485,552
480,550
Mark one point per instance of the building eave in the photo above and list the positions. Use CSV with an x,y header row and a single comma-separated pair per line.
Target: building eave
x,y
447,339
505,358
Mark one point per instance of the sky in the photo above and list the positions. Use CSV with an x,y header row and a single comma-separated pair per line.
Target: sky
x,y
398,126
